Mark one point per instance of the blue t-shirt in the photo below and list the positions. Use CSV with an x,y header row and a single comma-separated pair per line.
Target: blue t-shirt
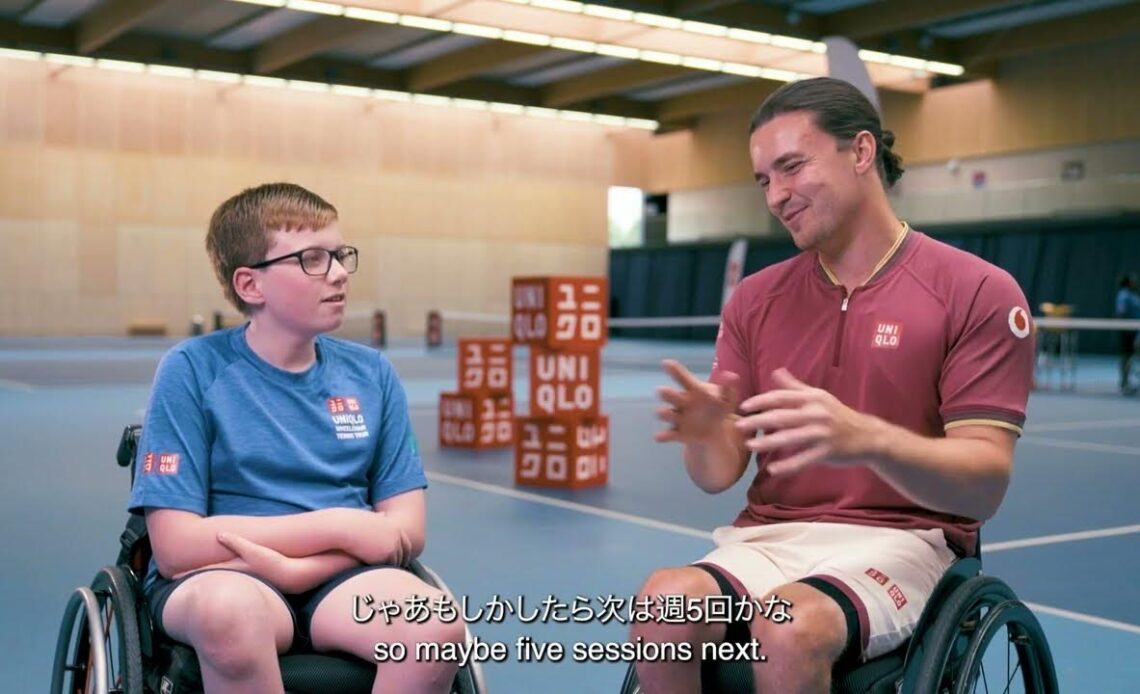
x,y
227,433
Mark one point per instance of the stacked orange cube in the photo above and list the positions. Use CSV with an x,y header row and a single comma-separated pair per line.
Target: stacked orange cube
x,y
481,413
564,441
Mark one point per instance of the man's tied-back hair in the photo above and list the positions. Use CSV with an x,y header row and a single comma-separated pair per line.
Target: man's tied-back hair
x,y
840,110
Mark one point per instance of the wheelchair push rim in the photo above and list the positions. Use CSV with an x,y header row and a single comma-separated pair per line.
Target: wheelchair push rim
x,y
953,648
97,651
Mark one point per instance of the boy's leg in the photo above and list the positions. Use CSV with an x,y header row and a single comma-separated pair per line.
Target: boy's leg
x,y
334,625
237,625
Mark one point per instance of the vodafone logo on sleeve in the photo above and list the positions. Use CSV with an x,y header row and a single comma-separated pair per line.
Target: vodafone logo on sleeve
x,y
1019,322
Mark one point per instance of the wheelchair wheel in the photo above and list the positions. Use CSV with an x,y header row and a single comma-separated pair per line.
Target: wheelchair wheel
x,y
98,646
630,685
954,647
1024,633
468,680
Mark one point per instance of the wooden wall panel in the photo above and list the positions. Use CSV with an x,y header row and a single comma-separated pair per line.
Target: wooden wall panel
x,y
127,169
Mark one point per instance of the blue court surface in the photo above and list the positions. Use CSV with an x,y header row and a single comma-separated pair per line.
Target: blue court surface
x,y
1067,538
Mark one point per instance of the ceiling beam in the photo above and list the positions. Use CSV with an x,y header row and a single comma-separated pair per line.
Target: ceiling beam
x,y
108,20
1042,37
895,15
312,38
609,81
766,18
716,100
467,62
690,8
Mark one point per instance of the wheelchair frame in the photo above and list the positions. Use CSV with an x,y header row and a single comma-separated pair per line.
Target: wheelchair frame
x,y
106,637
964,613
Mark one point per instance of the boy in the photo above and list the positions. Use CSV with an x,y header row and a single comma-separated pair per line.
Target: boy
x,y
278,470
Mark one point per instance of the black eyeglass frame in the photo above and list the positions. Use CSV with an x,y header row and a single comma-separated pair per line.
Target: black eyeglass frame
x,y
341,254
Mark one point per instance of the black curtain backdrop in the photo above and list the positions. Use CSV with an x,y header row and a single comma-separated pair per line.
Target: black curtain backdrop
x,y
1074,261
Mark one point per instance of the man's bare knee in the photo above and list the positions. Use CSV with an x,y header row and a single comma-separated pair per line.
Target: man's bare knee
x,y
682,584
799,651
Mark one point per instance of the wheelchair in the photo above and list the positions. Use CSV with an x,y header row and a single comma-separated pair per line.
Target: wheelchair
x,y
107,644
946,653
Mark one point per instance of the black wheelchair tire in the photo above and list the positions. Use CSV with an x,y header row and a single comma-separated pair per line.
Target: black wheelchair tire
x,y
957,622
115,590
1036,663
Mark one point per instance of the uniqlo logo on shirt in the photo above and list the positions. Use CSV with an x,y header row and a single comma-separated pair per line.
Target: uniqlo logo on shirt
x,y
887,335
880,577
338,405
162,463
897,595
352,404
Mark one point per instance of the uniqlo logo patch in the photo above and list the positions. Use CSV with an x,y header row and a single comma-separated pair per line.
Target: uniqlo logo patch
x,y
880,577
161,463
352,404
897,595
888,335
338,405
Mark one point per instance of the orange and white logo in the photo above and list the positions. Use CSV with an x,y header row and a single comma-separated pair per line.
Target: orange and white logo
x,y
1019,322
880,577
897,595
162,463
887,335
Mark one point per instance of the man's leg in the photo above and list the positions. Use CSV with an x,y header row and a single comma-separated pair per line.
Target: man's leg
x,y
677,676
333,627
236,624
800,651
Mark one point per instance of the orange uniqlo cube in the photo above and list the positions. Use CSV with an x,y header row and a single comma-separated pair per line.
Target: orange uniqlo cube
x,y
485,365
565,452
564,383
559,312
476,421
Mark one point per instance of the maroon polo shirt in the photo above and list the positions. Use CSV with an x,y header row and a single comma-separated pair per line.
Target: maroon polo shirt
x,y
937,338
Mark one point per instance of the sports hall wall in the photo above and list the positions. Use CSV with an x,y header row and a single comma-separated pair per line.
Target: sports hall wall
x,y
1080,103
107,182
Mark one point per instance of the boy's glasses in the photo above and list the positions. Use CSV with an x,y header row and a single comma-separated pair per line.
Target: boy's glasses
x,y
317,261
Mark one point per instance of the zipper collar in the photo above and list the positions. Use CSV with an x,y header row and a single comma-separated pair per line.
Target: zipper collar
x,y
887,260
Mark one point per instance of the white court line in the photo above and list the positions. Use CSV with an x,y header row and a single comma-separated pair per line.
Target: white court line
x,y
1082,617
1082,445
694,532
570,505
1078,426
17,385
1057,539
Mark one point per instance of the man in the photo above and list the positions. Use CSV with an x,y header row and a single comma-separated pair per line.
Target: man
x,y
887,374
1127,305
278,469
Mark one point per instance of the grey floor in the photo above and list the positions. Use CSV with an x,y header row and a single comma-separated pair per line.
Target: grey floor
x,y
1067,538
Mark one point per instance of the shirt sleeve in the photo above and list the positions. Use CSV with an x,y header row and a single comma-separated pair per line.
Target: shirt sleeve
x,y
989,370
732,350
398,467
173,465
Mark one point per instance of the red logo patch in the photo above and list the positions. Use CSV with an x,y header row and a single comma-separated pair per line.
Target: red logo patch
x,y
352,404
880,577
887,335
337,405
897,595
161,463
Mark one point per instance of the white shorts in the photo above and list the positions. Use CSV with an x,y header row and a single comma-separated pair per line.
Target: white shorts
x,y
886,573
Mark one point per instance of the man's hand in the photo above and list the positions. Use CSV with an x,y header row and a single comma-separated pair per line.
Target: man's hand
x,y
697,412
807,420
